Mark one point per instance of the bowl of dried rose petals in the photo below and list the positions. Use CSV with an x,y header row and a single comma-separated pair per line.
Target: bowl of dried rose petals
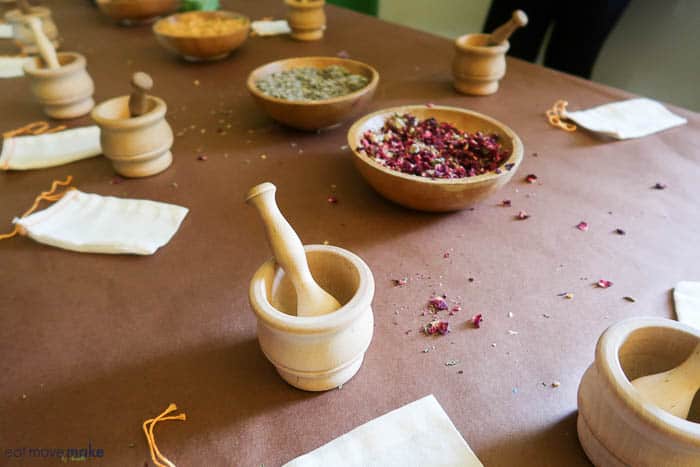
x,y
434,158
313,93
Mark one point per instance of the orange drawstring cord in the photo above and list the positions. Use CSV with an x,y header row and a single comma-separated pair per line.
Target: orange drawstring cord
x,y
49,195
35,128
158,458
557,113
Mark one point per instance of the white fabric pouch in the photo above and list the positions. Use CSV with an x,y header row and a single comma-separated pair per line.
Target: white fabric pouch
x,y
91,223
6,31
686,297
270,28
51,149
418,434
632,118
13,67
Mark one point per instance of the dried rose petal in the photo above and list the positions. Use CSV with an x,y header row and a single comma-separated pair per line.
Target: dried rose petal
x,y
332,200
659,186
522,215
583,226
506,203
436,326
202,157
343,54
604,284
400,282
509,166
443,327
477,319
531,178
446,255
116,180
437,304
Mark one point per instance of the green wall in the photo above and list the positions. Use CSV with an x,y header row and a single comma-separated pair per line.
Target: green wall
x,y
369,7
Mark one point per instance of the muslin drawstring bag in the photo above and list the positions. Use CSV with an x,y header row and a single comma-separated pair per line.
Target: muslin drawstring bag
x,y
91,223
6,31
37,151
12,67
632,118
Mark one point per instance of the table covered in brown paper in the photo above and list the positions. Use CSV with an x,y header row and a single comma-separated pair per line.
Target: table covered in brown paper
x,y
91,345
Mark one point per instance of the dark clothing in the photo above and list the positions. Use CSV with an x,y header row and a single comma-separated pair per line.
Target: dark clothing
x,y
580,28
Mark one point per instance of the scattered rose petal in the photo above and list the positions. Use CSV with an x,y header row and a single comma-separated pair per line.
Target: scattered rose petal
x,y
531,178
436,304
400,282
343,54
604,284
202,157
446,255
582,226
506,203
436,326
522,215
456,309
430,105
630,299
659,186
451,362
620,231
509,166
116,180
477,319
332,200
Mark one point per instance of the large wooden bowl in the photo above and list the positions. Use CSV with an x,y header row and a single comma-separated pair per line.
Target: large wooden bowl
x,y
616,426
129,12
313,115
435,195
204,47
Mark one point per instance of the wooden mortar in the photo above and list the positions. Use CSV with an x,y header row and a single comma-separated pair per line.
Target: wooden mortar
x,y
23,36
64,92
134,133
315,353
307,19
616,425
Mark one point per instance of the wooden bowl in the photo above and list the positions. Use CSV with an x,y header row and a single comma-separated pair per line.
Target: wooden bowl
x,y
313,115
201,47
435,195
616,426
132,12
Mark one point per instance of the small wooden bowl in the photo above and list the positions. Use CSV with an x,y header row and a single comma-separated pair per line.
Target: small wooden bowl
x,y
313,115
197,48
134,12
435,195
616,426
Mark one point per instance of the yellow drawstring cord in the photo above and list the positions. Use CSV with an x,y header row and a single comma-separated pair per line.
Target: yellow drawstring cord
x,y
158,458
34,128
557,113
49,195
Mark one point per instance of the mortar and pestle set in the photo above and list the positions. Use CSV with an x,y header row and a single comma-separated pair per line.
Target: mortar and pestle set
x,y
134,133
480,60
307,19
634,399
23,35
314,333
59,81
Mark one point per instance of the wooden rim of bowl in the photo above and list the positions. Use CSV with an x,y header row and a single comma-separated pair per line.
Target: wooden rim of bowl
x,y
253,78
329,322
516,154
219,13
607,360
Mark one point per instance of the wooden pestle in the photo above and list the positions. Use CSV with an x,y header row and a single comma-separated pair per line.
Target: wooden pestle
x,y
312,300
140,84
46,48
502,33
24,7
673,390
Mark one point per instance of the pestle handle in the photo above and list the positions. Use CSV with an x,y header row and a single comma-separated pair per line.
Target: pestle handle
x,y
46,48
289,252
24,7
673,390
502,33
141,83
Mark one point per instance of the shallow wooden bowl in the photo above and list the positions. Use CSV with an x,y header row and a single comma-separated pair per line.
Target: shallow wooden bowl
x,y
616,426
435,195
201,48
130,12
313,115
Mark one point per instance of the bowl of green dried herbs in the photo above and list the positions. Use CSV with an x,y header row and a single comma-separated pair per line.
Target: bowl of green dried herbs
x,y
313,93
